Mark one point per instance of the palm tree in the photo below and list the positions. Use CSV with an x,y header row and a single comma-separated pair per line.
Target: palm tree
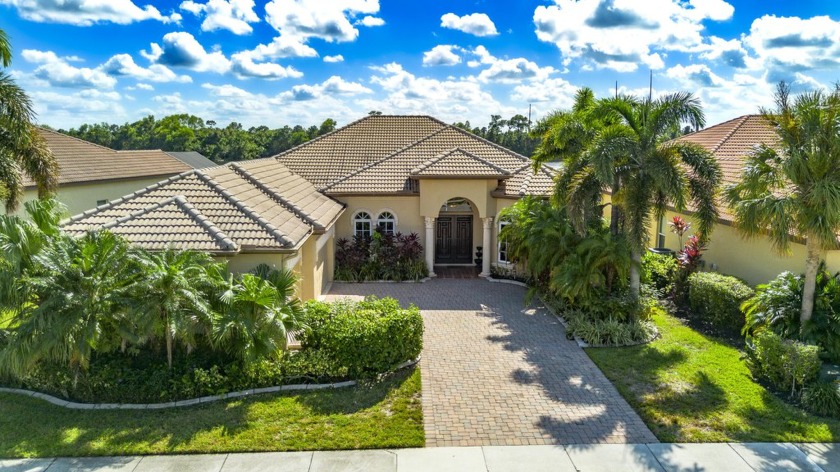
x,y
795,189
261,311
78,306
170,296
653,173
22,149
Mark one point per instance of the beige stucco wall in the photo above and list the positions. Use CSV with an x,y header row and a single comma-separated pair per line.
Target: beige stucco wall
x,y
78,198
244,262
406,209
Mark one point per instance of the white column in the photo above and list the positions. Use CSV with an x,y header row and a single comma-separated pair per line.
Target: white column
x,y
487,250
430,245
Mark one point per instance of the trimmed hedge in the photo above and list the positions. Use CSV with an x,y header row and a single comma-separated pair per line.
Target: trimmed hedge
x,y
718,298
367,337
787,365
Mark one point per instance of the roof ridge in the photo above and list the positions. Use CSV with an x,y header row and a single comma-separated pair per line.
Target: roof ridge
x,y
740,122
285,203
76,139
431,162
491,143
181,201
318,138
125,198
270,228
379,161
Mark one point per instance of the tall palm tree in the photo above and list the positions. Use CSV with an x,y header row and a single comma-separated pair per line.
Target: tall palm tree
x,y
171,299
653,173
795,189
22,149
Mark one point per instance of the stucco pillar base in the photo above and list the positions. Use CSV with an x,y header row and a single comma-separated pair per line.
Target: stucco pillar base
x,y
487,253
430,245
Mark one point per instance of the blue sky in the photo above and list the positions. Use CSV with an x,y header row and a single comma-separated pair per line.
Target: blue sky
x,y
301,61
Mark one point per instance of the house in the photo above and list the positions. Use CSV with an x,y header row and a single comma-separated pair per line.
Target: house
x,y
91,175
194,159
753,260
400,173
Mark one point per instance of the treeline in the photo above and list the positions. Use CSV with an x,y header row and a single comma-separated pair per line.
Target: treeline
x,y
234,142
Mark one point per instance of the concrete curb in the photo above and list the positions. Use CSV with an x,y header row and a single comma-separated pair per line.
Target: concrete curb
x,y
507,281
193,401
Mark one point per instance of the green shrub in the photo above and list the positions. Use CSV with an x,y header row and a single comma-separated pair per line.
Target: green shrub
x,y
367,337
822,398
659,271
609,331
718,298
787,365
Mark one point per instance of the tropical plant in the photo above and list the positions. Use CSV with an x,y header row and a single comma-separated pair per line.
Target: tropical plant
x,y
78,303
384,256
679,226
170,298
597,266
791,188
259,312
22,149
653,174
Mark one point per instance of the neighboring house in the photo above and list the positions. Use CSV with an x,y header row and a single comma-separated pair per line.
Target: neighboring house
x,y
400,173
753,260
91,175
194,159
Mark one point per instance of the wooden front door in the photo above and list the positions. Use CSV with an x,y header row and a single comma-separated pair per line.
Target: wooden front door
x,y
453,242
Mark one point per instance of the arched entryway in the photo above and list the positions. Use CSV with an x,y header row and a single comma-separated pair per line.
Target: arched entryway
x,y
454,233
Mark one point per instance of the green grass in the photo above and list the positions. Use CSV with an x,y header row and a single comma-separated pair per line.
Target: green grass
x,y
688,387
385,415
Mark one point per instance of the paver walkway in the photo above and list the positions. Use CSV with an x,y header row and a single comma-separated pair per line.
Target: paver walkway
x,y
497,373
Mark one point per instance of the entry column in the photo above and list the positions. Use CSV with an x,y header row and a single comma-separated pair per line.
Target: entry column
x,y
485,258
430,245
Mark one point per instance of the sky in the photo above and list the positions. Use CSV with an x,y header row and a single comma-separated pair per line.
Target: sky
x,y
287,62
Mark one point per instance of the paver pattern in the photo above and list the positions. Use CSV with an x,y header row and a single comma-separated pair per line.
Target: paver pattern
x,y
496,372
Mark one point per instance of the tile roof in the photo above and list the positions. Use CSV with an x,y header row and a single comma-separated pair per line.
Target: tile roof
x,y
255,205
458,163
80,161
377,155
194,159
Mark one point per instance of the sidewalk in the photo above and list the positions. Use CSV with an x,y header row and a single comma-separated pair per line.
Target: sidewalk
x,y
607,457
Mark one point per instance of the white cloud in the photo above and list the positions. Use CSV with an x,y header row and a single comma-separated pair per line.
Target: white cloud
x,y
478,24
245,67
281,47
514,71
624,34
143,86
441,55
59,73
71,109
180,49
336,58
371,21
554,93
484,57
231,15
695,75
124,65
87,12
329,20
335,85
727,52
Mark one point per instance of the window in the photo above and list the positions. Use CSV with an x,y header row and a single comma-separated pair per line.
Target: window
x,y
362,224
660,232
387,222
101,202
503,247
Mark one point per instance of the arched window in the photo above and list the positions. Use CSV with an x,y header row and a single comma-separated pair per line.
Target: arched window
x,y
504,257
362,224
387,222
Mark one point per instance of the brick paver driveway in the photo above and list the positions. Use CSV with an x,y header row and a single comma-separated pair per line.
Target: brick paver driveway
x,y
497,373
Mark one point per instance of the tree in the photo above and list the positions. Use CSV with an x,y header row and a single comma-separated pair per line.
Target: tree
x,y
653,173
22,149
795,189
171,296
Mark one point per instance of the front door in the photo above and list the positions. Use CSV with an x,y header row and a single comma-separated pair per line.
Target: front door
x,y
453,243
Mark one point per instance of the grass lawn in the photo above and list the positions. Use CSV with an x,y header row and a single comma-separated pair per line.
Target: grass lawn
x,y
386,415
689,387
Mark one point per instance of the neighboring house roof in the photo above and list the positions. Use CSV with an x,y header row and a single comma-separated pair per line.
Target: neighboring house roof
x,y
80,161
239,207
377,154
731,142
194,159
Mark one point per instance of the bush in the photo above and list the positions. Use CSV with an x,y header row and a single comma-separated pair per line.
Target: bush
x,y
786,364
367,337
718,298
659,271
381,257
822,398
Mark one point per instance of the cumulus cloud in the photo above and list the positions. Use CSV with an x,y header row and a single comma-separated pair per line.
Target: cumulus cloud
x,y
727,52
554,93
87,12
143,86
245,67
371,21
335,85
181,49
232,15
478,24
442,55
58,72
330,20
695,75
65,109
123,65
622,34
514,71
336,58
281,47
